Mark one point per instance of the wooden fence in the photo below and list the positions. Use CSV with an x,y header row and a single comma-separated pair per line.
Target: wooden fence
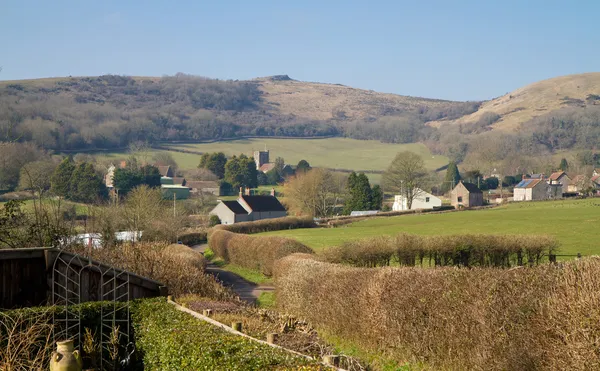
x,y
26,277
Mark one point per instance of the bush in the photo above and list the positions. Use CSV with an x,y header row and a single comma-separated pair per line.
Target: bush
x,y
258,253
267,225
173,340
177,266
452,250
193,238
544,317
213,220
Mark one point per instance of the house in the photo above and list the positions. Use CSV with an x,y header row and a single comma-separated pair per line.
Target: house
x,y
578,184
200,186
109,177
560,177
596,183
537,190
466,195
422,200
166,171
596,172
164,180
249,208
535,176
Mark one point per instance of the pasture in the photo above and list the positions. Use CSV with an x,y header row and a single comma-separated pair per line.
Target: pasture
x,y
574,223
335,153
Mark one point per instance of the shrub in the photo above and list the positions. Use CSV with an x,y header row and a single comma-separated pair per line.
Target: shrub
x,y
544,317
173,340
193,238
267,225
259,253
213,220
177,266
456,250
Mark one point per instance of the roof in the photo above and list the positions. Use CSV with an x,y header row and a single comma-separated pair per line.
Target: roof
x,y
472,188
528,183
267,167
536,176
201,184
179,180
578,178
235,207
557,175
173,186
263,203
164,170
596,179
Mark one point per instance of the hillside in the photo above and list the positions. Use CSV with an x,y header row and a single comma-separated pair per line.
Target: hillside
x,y
538,99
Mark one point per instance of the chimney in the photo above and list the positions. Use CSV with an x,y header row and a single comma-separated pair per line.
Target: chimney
x,y
123,164
247,191
273,192
241,191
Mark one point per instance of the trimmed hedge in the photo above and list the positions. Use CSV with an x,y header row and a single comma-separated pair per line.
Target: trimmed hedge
x,y
268,225
259,253
540,318
173,340
193,238
452,250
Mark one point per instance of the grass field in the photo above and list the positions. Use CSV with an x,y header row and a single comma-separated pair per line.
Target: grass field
x,y
573,222
337,153
185,161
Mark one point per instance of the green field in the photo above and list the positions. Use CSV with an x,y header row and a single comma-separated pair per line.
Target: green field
x,y
337,153
185,161
574,223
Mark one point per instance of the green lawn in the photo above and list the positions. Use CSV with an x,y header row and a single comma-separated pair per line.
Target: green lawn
x,y
339,153
575,223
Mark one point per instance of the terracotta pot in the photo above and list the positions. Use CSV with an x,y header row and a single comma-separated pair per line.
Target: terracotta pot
x,y
65,358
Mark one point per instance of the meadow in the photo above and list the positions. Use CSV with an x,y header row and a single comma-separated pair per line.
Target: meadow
x,y
335,153
574,223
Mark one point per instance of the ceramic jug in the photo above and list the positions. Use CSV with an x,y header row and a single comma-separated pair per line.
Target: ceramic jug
x,y
65,358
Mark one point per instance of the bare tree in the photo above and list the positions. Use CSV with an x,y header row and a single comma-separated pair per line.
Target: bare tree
x,y
406,176
143,206
316,192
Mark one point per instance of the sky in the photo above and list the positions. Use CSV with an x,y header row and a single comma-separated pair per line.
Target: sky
x,y
456,50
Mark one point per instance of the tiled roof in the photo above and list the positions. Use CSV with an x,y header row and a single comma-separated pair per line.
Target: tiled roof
x,y
267,167
472,188
164,170
263,203
557,175
596,179
235,207
202,184
528,183
179,180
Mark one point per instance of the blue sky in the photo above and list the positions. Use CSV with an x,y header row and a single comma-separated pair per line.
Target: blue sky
x,y
460,50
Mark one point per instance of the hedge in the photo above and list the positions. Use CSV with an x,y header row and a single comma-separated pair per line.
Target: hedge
x,y
452,250
193,238
259,253
267,225
539,318
173,340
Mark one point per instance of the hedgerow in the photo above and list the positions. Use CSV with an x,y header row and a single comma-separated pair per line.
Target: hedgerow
x,y
173,340
193,238
530,318
453,250
267,225
259,253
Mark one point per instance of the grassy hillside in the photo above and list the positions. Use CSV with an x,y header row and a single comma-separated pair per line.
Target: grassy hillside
x,y
337,153
572,222
537,99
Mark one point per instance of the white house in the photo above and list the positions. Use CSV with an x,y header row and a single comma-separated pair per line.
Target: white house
x,y
249,208
537,189
423,200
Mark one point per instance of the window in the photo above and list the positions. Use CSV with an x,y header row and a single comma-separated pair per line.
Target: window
x,y
426,199
459,198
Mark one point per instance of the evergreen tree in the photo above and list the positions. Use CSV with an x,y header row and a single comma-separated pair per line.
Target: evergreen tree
x,y
125,180
564,165
86,185
303,166
451,179
273,177
150,176
279,165
60,182
358,193
215,162
376,197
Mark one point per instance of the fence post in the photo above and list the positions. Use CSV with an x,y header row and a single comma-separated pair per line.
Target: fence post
x,y
237,326
552,258
578,255
331,360
272,338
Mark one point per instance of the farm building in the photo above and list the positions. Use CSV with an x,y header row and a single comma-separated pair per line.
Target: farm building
x,y
249,208
578,184
166,171
423,200
200,186
178,192
536,190
180,181
466,195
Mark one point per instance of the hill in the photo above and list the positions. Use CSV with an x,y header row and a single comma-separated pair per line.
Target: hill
x,y
538,99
